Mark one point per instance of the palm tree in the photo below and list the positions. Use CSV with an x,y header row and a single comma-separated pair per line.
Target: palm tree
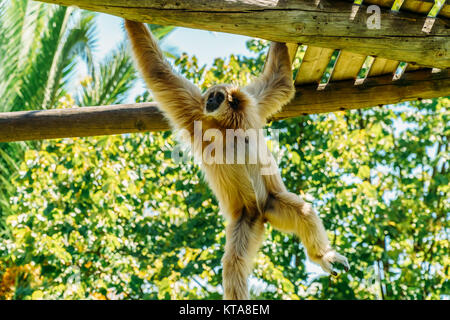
x,y
39,45
40,48
112,79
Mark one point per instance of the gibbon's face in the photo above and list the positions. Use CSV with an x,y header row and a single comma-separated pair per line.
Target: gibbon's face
x,y
225,103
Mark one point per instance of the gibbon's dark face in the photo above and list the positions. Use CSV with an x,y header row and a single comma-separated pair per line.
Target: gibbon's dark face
x,y
224,101
214,101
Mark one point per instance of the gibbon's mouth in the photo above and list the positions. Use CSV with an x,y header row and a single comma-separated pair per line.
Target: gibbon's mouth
x,y
214,101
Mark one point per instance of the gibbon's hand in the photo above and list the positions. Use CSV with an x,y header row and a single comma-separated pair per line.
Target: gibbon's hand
x,y
330,258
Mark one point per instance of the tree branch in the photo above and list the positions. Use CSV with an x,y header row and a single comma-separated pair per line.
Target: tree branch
x,y
142,117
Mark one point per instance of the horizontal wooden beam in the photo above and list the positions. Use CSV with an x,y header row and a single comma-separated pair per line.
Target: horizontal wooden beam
x,y
81,122
328,25
142,117
375,91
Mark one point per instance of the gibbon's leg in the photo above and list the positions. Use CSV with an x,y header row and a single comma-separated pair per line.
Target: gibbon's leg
x,y
275,87
180,99
244,237
288,212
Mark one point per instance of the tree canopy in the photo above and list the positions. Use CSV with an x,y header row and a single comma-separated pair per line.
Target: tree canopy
x,y
115,217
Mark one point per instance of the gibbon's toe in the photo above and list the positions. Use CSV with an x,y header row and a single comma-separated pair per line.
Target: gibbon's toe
x,y
331,258
342,260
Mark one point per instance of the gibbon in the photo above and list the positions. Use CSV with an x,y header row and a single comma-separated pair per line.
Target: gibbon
x,y
247,198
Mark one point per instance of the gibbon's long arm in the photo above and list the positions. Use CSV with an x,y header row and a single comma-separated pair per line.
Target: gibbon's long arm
x,y
178,98
275,87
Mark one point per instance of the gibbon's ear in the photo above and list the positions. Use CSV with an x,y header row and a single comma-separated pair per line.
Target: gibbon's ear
x,y
234,103
237,100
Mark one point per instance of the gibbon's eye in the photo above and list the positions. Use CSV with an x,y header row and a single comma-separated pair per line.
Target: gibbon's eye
x,y
214,101
220,97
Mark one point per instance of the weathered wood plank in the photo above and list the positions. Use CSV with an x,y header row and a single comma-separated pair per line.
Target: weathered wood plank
x,y
327,25
383,66
81,122
417,6
424,7
313,65
412,67
347,66
343,95
107,120
292,49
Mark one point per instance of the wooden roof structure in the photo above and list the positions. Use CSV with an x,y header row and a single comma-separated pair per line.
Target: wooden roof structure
x,y
339,62
347,64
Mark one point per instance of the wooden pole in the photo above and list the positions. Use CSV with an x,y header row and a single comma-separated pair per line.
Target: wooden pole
x,y
117,119
328,24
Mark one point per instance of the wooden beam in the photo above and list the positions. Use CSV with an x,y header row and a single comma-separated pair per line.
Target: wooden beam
x,y
327,25
81,122
142,117
375,91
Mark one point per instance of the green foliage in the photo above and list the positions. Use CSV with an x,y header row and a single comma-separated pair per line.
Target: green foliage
x,y
380,177
43,43
40,48
103,219
115,217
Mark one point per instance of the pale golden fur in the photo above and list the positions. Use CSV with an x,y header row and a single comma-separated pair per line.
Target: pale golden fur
x,y
247,198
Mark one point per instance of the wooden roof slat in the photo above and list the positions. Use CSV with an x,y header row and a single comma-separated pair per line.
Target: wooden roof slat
x,y
383,66
292,49
313,65
417,6
382,3
348,66
412,67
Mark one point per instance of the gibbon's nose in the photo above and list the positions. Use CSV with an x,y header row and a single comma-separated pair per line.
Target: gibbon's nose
x,y
214,101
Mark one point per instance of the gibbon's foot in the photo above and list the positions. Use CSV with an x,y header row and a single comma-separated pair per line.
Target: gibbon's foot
x,y
330,258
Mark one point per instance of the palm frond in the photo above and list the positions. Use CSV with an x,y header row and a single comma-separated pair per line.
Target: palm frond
x,y
35,79
79,43
160,32
39,44
55,68
111,81
14,24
